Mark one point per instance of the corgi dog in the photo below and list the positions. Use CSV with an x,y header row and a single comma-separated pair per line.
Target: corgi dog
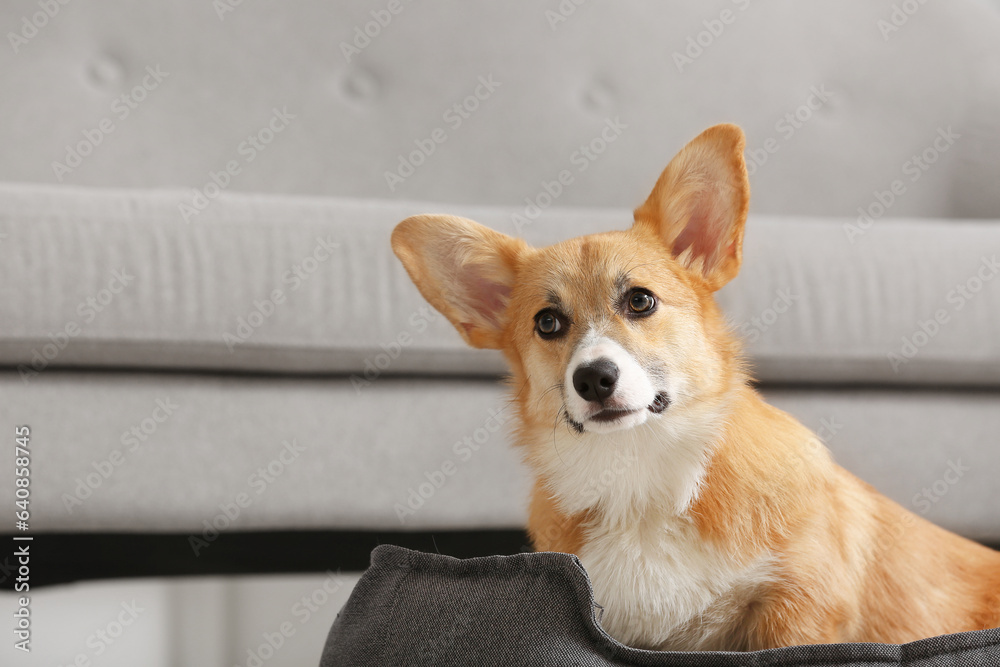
x,y
706,519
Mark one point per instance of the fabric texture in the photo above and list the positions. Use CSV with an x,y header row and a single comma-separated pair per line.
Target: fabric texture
x,y
116,278
366,97
412,453
537,610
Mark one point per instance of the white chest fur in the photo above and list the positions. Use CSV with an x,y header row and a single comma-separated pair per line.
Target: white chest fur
x,y
664,588
660,584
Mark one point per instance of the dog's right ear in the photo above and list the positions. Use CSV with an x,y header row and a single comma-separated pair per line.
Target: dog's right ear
x,y
465,270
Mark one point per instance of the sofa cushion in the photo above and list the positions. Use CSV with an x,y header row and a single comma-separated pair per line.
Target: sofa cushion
x,y
104,278
172,451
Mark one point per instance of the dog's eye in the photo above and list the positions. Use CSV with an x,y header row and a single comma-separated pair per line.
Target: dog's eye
x,y
641,302
548,324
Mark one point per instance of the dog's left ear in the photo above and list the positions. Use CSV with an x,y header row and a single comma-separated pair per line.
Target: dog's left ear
x,y
699,205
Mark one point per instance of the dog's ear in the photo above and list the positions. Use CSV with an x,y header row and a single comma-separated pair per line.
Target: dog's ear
x,y
465,270
699,205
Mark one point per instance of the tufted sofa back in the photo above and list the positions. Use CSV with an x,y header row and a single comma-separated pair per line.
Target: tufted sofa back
x,y
487,103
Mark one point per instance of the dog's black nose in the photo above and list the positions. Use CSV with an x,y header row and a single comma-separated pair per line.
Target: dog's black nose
x,y
595,381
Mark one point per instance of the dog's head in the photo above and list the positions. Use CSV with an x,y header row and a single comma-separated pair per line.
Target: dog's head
x,y
611,331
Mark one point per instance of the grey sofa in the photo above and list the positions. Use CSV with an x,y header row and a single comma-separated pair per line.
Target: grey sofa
x,y
202,321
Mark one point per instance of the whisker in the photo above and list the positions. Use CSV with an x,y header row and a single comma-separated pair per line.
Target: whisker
x,y
639,266
524,384
555,425
557,385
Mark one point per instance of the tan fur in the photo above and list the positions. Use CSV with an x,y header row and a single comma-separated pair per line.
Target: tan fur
x,y
828,558
551,529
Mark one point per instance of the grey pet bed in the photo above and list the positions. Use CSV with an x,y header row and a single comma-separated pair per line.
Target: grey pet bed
x,y
536,610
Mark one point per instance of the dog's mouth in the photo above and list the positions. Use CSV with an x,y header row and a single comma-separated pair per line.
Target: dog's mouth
x,y
612,415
